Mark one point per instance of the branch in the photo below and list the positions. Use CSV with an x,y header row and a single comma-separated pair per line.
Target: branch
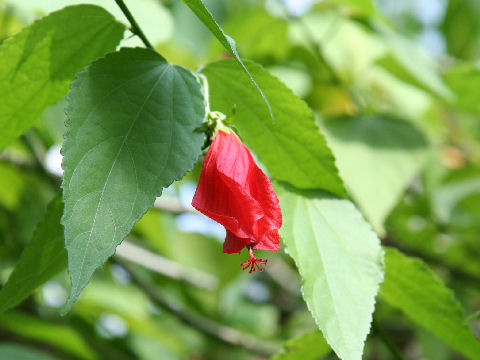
x,y
38,150
223,333
135,28
140,256
473,316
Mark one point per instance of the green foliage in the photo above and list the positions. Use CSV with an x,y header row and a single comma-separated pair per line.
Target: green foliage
x,y
44,257
464,79
39,62
365,7
461,28
413,288
130,132
403,130
378,157
18,352
293,142
228,43
58,335
323,234
267,36
309,346
11,186
410,63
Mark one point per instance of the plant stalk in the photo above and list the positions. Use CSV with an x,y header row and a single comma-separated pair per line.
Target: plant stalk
x,y
135,28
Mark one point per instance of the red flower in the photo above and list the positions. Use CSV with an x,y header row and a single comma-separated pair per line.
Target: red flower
x,y
233,191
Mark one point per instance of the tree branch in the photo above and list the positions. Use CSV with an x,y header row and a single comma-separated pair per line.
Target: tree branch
x,y
136,254
223,333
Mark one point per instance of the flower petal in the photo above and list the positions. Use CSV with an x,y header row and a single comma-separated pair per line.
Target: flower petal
x,y
235,192
234,244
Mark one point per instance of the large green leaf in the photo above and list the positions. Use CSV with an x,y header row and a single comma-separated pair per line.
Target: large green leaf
x,y
309,346
39,62
43,258
292,148
413,288
198,7
131,120
377,156
341,263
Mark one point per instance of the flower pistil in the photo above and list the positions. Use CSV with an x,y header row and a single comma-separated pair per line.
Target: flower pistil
x,y
253,262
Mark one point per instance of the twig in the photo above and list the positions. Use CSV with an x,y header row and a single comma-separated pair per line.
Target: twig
x,y
18,161
386,340
138,255
135,28
473,316
38,150
224,333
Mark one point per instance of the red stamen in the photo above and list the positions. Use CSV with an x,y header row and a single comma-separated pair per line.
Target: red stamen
x,y
253,262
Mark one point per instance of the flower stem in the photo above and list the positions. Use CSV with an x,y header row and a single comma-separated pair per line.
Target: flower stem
x,y
135,28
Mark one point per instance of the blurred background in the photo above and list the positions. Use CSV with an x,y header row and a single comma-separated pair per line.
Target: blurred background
x,y
394,86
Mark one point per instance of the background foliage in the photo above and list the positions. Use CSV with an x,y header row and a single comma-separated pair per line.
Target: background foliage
x,y
364,113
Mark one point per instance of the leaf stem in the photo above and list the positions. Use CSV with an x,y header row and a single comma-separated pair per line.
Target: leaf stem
x,y
135,28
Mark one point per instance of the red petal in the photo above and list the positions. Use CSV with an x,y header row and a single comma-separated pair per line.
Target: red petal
x,y
233,191
234,244
270,241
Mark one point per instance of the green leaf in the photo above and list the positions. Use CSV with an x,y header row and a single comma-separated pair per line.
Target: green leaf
x,y
131,118
39,62
461,28
58,335
378,157
413,288
341,263
294,143
464,79
309,346
198,7
20,352
258,34
43,258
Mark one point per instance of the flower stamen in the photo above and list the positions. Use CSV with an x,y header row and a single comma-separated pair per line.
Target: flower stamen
x,y
253,262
